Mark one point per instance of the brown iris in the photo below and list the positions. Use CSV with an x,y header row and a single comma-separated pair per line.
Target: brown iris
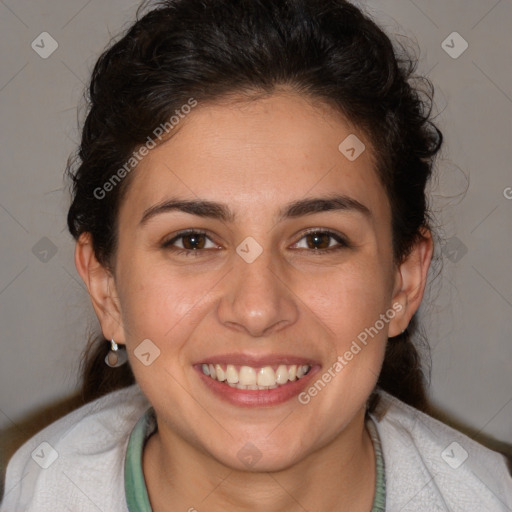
x,y
195,241
319,240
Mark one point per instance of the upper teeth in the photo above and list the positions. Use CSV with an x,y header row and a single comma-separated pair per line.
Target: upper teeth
x,y
248,377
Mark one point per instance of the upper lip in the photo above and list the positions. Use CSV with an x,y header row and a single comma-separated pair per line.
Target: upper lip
x,y
257,361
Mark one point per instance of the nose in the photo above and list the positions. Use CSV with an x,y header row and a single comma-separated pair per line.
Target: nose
x,y
258,299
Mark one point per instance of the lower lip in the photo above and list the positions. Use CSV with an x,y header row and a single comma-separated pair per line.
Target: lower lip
x,y
255,397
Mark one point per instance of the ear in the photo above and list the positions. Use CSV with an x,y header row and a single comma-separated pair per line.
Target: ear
x,y
102,289
410,281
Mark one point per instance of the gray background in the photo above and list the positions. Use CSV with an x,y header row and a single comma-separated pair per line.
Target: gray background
x,y
44,309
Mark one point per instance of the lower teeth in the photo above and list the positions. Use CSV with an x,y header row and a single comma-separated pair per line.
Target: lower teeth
x,y
256,387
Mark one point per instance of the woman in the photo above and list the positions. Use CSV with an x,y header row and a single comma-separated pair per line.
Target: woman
x,y
250,215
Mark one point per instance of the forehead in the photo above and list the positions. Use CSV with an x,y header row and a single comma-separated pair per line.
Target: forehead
x,y
259,154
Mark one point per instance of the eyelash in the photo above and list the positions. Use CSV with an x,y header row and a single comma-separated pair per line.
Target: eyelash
x,y
343,243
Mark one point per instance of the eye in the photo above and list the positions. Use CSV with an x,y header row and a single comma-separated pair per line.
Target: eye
x,y
192,242
189,242
321,241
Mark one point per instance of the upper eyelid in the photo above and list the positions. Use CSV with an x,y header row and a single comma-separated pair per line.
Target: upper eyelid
x,y
182,234
322,230
341,239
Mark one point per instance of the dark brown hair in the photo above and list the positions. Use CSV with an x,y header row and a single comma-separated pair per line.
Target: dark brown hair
x,y
208,49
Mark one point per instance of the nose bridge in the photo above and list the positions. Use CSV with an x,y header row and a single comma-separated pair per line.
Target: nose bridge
x,y
256,299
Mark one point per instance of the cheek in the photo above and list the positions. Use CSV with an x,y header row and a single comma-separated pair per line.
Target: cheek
x,y
165,309
348,299
156,302
349,304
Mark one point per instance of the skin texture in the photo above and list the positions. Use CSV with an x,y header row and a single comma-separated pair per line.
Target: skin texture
x,y
256,157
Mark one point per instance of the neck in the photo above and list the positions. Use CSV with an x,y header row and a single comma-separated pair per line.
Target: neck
x,y
339,475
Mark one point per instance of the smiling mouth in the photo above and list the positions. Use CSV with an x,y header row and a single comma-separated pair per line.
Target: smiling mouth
x,y
255,378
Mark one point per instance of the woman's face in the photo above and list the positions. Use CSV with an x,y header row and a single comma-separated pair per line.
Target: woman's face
x,y
277,280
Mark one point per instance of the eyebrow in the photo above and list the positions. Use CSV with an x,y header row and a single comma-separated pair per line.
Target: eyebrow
x,y
220,211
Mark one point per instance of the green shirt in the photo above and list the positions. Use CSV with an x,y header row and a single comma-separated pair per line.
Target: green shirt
x,y
135,486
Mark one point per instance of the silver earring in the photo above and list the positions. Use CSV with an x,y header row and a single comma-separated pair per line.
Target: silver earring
x,y
116,357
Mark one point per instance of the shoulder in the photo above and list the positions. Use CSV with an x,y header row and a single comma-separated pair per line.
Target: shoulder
x,y
77,462
430,465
